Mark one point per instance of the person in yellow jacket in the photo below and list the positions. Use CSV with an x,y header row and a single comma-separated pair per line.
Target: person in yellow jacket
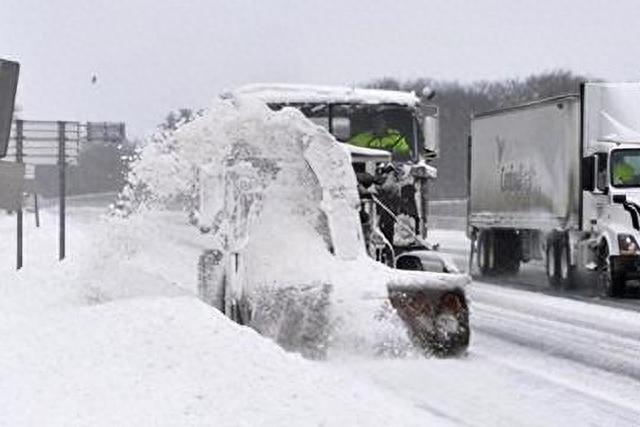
x,y
623,173
383,138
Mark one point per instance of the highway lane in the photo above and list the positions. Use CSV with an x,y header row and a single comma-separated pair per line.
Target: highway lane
x,y
537,358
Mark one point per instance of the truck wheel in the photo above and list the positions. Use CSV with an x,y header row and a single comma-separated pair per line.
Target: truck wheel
x,y
610,283
552,263
560,272
565,270
486,253
498,252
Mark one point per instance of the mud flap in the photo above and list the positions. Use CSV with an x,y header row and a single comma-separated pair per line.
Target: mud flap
x,y
296,317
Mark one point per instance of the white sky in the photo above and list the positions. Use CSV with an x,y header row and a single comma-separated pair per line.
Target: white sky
x,y
152,56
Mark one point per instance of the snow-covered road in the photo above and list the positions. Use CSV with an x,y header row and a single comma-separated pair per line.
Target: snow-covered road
x,y
535,359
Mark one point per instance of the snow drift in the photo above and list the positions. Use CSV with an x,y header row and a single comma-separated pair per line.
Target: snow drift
x,y
115,336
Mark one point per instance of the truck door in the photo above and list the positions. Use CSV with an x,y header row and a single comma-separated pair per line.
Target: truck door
x,y
596,198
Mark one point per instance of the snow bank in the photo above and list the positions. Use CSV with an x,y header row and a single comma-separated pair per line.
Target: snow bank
x,y
173,361
114,336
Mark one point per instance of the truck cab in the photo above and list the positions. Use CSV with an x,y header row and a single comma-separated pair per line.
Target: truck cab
x,y
611,186
401,176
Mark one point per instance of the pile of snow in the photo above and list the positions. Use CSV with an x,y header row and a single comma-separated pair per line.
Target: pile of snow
x,y
114,336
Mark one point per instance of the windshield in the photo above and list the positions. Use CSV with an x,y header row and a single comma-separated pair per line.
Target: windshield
x,y
386,127
625,168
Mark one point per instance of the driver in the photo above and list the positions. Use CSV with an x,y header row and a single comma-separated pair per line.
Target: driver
x,y
382,137
623,173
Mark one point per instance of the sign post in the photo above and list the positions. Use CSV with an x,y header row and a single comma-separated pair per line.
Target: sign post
x,y
62,176
19,144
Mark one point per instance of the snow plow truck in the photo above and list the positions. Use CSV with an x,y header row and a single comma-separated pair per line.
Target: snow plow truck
x,y
305,221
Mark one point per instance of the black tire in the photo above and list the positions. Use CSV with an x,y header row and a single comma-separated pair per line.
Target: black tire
x,y
566,271
551,264
499,252
486,253
560,272
610,283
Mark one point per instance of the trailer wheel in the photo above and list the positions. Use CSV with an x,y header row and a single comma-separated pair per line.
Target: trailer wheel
x,y
552,263
486,253
610,283
499,251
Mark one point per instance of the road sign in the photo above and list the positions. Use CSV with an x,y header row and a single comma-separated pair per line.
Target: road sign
x,y
11,185
8,84
35,143
105,131
41,142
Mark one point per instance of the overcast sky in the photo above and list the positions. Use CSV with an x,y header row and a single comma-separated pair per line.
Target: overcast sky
x,y
152,56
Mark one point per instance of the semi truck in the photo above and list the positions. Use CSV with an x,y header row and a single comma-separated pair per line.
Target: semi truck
x,y
558,180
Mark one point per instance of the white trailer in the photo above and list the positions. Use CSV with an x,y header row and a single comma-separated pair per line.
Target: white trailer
x,y
559,180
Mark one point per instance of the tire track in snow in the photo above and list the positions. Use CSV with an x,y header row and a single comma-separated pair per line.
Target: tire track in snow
x,y
592,348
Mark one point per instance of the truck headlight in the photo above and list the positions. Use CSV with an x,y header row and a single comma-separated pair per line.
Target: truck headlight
x,y
628,244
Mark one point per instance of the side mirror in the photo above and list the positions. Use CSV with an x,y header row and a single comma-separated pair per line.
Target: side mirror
x,y
428,93
620,198
8,84
431,132
588,173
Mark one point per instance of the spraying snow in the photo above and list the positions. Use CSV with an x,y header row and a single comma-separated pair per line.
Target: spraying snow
x,y
278,190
